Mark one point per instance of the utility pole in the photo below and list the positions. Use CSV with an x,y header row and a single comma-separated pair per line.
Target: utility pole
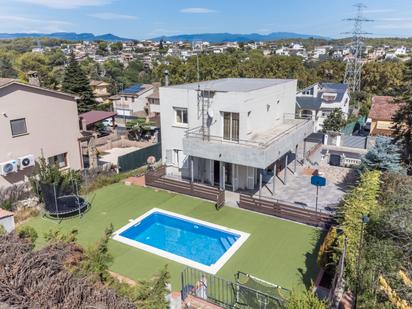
x,y
353,72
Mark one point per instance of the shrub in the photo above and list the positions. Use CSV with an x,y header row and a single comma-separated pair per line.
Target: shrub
x,y
27,232
7,205
2,230
58,236
304,300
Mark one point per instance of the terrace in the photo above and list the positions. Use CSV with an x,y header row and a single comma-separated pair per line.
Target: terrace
x,y
259,150
277,250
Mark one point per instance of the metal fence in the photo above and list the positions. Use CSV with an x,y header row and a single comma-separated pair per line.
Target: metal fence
x,y
224,293
139,157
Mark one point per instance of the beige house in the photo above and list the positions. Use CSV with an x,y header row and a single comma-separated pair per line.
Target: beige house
x,y
100,90
36,121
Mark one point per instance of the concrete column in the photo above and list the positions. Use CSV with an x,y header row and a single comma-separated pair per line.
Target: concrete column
x,y
304,152
338,140
296,159
285,178
191,170
274,180
260,182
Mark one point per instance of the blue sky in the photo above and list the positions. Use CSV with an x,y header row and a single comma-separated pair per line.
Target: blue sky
x,y
150,18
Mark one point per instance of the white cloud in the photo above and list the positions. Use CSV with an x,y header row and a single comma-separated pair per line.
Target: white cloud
x,y
9,23
113,16
67,4
197,11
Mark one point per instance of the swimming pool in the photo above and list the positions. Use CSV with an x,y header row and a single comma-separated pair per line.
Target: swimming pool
x,y
189,241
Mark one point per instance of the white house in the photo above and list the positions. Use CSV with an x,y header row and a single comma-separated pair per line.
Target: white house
x,y
226,132
319,100
132,101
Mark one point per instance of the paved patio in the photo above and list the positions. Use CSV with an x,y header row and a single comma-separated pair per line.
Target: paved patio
x,y
301,192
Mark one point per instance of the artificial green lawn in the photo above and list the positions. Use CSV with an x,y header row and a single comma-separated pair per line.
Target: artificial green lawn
x,y
278,251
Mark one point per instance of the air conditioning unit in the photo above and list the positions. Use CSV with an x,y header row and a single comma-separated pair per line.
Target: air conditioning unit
x,y
8,167
26,161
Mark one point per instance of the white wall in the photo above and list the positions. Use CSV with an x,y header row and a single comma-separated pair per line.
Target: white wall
x,y
267,107
8,223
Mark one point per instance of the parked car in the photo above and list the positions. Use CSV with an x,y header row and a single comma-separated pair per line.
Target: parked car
x,y
108,122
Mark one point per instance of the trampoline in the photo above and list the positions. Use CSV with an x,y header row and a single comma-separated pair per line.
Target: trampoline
x,y
62,200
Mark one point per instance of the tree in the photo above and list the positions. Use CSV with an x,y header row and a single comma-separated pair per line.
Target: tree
x,y
6,66
76,82
335,121
138,126
116,47
403,120
384,156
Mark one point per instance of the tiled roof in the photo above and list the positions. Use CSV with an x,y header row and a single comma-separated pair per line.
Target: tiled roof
x,y
314,103
96,116
383,108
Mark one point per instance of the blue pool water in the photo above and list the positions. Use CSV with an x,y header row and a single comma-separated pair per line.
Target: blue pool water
x,y
184,238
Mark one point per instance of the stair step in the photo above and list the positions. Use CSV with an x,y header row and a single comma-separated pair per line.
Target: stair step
x,y
225,243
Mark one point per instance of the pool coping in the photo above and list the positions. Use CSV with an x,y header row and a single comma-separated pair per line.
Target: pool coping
x,y
212,269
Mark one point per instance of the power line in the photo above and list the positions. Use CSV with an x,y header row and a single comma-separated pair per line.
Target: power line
x,y
353,72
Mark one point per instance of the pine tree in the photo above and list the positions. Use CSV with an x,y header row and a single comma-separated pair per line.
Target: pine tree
x,y
403,119
76,82
384,156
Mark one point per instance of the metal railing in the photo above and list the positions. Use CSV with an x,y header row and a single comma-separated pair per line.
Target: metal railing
x,y
197,133
224,293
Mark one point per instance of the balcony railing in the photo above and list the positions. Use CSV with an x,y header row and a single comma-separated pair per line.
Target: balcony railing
x,y
197,133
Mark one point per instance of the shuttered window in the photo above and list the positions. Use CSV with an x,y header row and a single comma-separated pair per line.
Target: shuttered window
x,y
18,127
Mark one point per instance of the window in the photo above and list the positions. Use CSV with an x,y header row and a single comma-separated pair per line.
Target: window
x,y
181,115
59,160
125,98
18,126
132,99
231,126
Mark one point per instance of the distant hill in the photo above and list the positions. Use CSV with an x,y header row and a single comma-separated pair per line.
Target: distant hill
x,y
65,36
230,37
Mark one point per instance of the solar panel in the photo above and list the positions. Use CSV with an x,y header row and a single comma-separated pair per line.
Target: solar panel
x,y
133,89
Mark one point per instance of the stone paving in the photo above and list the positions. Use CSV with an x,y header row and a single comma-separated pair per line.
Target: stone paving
x,y
299,191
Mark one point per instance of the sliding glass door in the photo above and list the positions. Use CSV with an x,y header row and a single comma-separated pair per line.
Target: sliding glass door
x,y
231,126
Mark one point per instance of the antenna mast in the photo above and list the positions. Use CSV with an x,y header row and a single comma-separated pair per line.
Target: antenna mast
x,y
353,72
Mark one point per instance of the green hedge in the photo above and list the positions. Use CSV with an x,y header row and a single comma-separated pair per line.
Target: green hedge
x,y
362,200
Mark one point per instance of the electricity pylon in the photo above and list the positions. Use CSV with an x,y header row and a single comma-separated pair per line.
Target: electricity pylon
x,y
353,72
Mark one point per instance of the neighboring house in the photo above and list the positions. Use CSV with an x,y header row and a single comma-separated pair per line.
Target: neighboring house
x,y
36,122
100,90
380,115
132,101
153,102
319,100
226,132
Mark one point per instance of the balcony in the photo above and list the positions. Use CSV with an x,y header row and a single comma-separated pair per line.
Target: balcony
x,y
259,150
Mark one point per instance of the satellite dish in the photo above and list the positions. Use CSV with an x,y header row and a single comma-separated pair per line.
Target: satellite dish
x,y
210,112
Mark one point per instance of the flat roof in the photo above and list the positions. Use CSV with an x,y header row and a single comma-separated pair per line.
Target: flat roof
x,y
234,84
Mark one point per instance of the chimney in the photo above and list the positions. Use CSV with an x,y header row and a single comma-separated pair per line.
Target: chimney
x,y
83,125
166,73
33,77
